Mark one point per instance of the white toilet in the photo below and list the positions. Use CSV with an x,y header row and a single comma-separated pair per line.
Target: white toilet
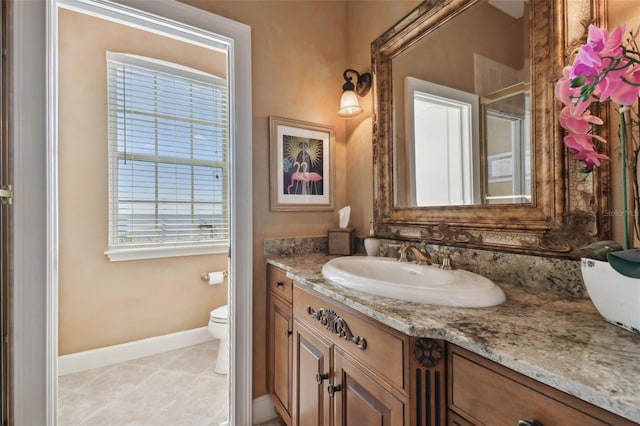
x,y
219,328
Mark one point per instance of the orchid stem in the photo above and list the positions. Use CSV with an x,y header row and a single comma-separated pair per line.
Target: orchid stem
x,y
623,151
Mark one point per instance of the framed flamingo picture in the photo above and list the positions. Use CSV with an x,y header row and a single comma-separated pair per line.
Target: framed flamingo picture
x,y
301,163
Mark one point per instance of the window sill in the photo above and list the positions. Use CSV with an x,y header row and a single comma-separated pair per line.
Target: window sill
x,y
141,253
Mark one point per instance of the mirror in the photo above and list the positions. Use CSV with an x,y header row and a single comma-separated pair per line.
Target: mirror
x,y
439,133
467,150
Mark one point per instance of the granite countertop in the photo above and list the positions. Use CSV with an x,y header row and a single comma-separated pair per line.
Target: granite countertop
x,y
560,341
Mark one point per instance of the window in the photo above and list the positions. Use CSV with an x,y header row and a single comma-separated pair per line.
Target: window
x,y
168,159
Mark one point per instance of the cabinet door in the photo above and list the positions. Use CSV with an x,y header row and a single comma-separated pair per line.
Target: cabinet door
x,y
281,329
489,394
359,400
311,377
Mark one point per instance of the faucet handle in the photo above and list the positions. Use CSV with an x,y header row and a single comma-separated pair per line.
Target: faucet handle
x,y
402,252
423,247
447,263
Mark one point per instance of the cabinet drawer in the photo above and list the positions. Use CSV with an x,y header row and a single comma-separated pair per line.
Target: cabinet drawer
x,y
486,393
279,283
378,347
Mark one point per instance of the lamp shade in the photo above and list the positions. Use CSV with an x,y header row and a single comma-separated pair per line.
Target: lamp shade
x,y
349,106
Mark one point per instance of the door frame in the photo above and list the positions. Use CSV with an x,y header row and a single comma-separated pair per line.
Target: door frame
x,y
33,33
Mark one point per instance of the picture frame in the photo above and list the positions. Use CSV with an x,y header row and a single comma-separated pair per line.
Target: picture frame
x,y
301,165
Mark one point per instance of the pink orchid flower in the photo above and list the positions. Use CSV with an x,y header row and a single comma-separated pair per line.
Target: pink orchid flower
x,y
586,152
605,43
588,63
621,85
581,142
591,159
606,72
578,123
598,52
568,95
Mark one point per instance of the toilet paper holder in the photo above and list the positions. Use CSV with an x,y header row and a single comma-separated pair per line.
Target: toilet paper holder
x,y
205,276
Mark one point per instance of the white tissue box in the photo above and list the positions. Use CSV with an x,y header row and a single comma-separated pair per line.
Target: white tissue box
x,y
342,241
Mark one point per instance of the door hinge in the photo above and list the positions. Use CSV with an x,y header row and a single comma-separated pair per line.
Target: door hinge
x,y
6,193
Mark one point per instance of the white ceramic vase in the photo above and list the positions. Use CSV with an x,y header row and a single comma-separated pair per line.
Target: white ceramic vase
x,y
616,296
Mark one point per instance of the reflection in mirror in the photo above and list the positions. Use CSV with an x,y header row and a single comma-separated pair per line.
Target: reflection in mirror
x,y
507,143
442,149
439,158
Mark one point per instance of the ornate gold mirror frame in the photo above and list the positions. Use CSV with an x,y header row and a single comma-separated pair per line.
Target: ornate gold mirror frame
x,y
567,206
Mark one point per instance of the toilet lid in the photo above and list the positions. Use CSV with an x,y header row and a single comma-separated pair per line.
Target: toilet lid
x,y
221,313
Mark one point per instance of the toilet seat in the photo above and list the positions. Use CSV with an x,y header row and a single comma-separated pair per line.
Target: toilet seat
x,y
220,315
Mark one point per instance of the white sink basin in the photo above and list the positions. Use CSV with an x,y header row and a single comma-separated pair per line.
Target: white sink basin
x,y
384,276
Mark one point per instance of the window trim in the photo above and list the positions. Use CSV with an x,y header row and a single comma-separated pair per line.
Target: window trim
x,y
165,250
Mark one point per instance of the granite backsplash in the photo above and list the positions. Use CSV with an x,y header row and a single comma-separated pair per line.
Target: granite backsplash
x,y
559,276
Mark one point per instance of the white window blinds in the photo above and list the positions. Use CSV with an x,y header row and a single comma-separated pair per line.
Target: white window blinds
x,y
168,155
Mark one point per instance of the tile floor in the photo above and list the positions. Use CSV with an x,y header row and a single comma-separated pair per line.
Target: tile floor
x,y
172,388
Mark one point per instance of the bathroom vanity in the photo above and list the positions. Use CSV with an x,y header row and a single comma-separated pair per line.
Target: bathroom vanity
x,y
338,356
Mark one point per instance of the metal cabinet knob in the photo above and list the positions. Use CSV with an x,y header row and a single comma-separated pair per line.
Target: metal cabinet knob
x,y
288,333
333,389
321,377
522,422
279,283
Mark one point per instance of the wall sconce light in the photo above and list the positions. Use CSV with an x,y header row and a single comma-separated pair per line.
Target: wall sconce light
x,y
349,106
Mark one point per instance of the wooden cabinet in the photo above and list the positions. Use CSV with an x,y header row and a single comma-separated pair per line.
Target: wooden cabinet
x,y
348,369
312,362
279,341
332,366
482,392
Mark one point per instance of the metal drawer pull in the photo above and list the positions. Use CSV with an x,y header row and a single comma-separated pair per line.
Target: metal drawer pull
x,y
321,377
335,324
288,333
333,389
279,284
522,422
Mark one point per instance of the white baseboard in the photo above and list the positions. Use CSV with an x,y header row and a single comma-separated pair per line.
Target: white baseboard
x,y
94,358
263,410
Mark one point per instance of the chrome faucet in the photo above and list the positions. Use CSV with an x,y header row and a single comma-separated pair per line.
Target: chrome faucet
x,y
421,256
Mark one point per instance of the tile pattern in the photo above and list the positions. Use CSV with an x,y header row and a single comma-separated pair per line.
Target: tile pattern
x,y
172,388
558,340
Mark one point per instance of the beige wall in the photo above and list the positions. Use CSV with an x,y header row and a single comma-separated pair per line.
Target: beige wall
x,y
102,303
367,21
